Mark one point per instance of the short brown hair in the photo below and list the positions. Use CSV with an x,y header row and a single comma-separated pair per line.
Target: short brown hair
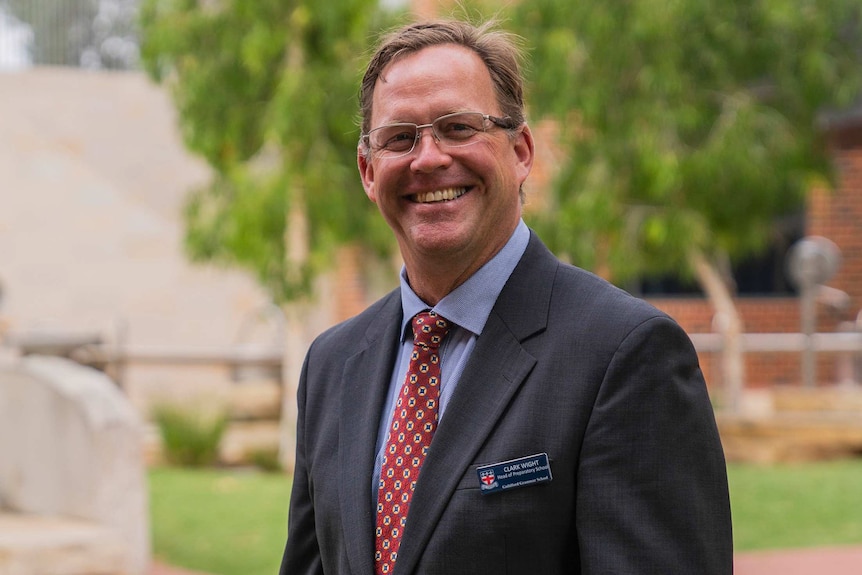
x,y
499,50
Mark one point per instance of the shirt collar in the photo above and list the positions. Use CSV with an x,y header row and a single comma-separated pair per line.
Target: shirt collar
x,y
470,304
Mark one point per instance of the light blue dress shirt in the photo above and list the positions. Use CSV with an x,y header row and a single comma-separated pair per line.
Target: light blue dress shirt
x,y
467,309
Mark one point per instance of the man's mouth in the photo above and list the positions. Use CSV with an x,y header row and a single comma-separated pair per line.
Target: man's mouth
x,y
444,195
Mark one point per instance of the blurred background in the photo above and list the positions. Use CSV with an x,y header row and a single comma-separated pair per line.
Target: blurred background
x,y
180,215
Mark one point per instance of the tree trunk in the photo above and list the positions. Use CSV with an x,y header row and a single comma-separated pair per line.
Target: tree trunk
x,y
296,242
729,324
296,253
294,352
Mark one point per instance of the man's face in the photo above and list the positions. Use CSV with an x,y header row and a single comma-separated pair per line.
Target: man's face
x,y
480,182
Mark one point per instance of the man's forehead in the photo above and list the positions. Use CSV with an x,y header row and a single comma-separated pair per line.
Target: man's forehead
x,y
448,53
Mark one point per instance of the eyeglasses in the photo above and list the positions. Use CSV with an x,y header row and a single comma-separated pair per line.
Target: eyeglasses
x,y
451,131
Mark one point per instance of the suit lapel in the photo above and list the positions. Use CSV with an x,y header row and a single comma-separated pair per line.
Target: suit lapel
x,y
364,385
496,369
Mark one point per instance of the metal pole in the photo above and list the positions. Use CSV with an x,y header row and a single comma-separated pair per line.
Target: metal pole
x,y
808,313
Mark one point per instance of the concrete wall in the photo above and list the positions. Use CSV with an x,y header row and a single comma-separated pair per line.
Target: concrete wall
x,y
93,179
71,446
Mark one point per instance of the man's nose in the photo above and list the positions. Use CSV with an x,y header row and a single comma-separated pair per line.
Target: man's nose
x,y
428,153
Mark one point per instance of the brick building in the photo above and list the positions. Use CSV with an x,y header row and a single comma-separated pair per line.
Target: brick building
x,y
834,214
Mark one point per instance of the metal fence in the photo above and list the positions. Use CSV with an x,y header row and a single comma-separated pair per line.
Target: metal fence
x,y
96,34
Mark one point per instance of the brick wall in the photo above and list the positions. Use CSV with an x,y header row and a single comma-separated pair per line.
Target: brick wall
x,y
835,214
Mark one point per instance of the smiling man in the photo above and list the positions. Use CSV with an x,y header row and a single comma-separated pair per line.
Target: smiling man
x,y
499,412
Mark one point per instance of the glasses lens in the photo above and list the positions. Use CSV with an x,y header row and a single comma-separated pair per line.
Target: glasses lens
x,y
393,138
459,129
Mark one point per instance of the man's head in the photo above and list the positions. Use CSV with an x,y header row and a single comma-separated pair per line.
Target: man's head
x,y
445,148
498,50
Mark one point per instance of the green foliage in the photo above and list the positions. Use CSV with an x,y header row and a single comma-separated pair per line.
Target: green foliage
x,y
684,124
190,437
266,94
265,460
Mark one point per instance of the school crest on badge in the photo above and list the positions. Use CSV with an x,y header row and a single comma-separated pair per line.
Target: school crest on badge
x,y
487,478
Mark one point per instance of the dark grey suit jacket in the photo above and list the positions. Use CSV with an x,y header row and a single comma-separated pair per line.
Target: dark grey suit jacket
x,y
568,365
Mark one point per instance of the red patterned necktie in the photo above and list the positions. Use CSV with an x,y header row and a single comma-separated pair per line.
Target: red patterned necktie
x,y
409,437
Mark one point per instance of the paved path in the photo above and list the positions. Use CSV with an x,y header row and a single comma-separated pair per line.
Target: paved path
x,y
817,561
159,568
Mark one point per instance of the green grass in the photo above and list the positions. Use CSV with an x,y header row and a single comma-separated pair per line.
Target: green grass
x,y
803,505
219,521
234,523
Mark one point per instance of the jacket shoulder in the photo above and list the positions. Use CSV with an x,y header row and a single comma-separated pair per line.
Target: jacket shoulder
x,y
580,291
365,326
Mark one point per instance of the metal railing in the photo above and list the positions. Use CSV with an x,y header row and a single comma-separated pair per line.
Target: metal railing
x,y
849,342
844,346
257,351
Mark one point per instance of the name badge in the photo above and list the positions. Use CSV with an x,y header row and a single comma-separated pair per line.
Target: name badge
x,y
530,470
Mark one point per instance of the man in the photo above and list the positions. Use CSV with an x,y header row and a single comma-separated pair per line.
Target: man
x,y
561,426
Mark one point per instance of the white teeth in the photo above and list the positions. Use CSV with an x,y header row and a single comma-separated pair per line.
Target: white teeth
x,y
440,195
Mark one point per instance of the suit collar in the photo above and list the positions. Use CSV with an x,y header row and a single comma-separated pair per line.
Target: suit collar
x,y
525,302
364,385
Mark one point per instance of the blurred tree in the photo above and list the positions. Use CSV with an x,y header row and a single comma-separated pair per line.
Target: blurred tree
x,y
685,127
266,93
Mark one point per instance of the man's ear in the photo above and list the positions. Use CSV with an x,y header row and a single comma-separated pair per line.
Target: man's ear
x,y
525,152
366,172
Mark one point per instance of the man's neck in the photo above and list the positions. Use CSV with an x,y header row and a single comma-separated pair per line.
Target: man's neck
x,y
433,278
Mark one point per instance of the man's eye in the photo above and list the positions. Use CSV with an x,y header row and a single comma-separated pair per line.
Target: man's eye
x,y
399,140
457,130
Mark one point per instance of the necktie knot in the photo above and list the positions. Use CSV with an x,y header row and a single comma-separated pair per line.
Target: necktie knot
x,y
429,329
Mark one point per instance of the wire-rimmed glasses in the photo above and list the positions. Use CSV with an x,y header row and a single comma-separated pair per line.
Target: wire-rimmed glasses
x,y
450,131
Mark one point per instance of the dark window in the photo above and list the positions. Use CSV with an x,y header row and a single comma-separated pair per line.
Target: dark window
x,y
763,274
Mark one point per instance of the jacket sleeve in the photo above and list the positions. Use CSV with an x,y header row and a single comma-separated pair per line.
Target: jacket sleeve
x,y
652,494
302,552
